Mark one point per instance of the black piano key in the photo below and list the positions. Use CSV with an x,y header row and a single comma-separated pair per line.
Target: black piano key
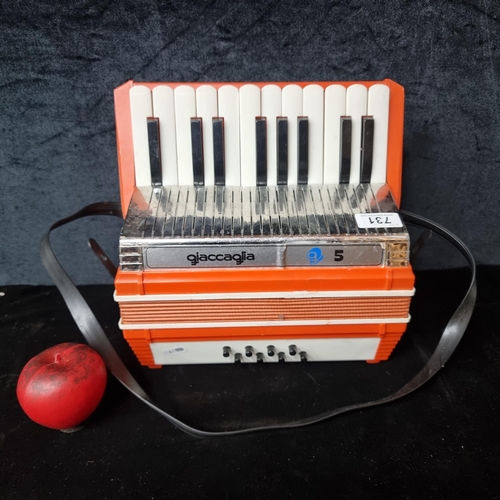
x,y
261,150
154,151
303,149
367,125
282,151
197,150
219,163
345,149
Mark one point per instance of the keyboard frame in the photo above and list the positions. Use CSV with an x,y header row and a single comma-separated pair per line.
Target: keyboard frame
x,y
125,142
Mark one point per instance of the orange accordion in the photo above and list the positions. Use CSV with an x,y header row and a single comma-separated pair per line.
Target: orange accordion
x,y
261,221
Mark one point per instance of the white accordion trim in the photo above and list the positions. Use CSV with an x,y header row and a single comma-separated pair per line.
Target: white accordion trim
x,y
241,324
264,295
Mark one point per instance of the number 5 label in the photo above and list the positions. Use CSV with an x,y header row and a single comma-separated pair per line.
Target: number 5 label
x,y
366,221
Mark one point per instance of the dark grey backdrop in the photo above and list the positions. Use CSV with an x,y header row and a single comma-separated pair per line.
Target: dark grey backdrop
x,y
60,64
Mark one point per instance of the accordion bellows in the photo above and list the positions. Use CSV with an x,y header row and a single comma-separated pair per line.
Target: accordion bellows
x,y
261,222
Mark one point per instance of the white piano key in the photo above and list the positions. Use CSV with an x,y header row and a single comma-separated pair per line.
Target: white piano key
x,y
313,110
334,109
271,109
163,109
185,109
249,110
378,107
292,108
206,109
229,109
356,100
140,109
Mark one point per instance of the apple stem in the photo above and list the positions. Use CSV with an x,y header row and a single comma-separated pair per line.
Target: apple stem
x,y
57,358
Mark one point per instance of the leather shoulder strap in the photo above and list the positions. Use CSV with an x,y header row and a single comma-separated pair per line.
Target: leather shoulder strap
x,y
97,339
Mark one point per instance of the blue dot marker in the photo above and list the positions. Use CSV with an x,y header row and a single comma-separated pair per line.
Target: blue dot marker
x,y
315,256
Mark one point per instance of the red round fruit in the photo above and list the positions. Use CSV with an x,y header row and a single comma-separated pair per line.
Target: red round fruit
x,y
60,387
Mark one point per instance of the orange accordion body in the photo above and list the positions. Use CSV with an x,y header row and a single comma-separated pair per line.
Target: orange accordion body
x,y
261,221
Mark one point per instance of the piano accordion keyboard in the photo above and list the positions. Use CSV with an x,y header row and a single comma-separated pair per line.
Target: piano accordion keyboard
x,y
265,136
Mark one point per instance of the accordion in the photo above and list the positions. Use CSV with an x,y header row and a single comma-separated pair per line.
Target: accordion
x,y
261,221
